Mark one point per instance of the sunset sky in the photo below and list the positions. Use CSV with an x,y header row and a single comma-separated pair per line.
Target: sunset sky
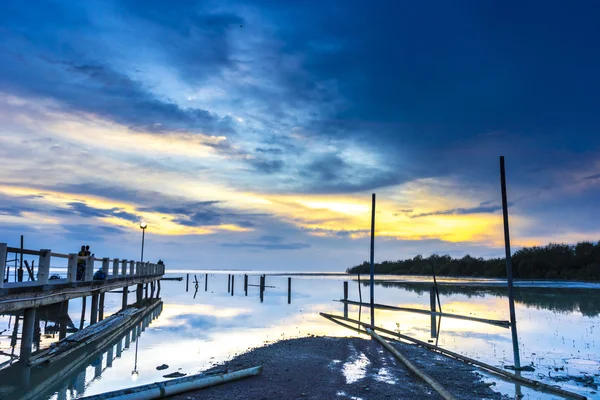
x,y
252,134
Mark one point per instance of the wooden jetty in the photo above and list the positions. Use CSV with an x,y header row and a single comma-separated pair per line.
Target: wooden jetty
x,y
46,290
22,381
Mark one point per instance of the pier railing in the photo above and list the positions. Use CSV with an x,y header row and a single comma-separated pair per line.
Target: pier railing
x,y
113,268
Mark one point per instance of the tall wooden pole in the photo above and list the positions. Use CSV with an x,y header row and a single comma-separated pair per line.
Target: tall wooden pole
x,y
373,260
509,272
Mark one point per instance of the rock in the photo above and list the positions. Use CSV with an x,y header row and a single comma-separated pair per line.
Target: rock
x,y
174,375
161,367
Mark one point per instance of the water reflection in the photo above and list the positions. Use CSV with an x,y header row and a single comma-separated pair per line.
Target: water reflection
x,y
565,300
199,328
69,377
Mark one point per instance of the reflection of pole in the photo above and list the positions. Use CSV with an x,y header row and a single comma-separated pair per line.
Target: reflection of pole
x,y
509,273
373,260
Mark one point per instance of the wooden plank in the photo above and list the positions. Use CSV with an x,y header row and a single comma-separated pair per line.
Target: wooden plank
x,y
500,372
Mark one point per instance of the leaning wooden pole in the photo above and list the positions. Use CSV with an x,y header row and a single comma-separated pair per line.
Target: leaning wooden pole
x,y
509,272
373,260
412,367
337,319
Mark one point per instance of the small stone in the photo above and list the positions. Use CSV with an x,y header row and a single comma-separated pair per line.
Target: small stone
x,y
161,367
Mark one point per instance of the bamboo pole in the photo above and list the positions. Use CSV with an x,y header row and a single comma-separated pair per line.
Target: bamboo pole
x,y
172,387
467,360
509,271
372,301
499,323
413,368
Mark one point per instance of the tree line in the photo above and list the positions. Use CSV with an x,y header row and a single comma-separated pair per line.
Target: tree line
x,y
553,261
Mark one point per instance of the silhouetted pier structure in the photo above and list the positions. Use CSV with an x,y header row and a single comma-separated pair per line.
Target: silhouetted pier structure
x,y
48,289
67,376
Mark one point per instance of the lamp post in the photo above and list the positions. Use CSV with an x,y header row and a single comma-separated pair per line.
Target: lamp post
x,y
143,225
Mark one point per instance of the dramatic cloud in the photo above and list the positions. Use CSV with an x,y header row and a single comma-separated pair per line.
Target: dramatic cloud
x,y
243,127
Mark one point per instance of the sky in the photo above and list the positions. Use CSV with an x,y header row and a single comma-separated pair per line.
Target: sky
x,y
251,135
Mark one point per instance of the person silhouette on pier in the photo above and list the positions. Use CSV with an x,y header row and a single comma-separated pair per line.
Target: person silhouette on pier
x,y
81,264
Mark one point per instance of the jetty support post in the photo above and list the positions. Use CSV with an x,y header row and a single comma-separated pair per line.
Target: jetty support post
x,y
228,283
72,268
158,288
27,333
119,348
289,290
246,284
3,253
138,293
373,260
63,319
44,267
509,271
187,282
109,356
432,304
345,298
232,283
146,290
205,282
262,288
131,268
94,309
124,298
101,307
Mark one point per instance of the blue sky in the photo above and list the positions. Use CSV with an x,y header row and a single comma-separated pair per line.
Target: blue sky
x,y
252,134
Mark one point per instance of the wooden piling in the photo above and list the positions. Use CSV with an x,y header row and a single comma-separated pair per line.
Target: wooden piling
x,y
232,283
94,309
229,283
289,290
64,317
158,288
138,293
124,298
27,333
101,307
146,290
83,304
345,298
509,271
262,288
187,282
432,302
205,282
246,284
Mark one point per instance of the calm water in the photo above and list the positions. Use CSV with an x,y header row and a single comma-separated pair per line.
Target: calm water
x,y
191,331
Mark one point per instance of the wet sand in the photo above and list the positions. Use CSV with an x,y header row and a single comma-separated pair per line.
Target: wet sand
x,y
343,368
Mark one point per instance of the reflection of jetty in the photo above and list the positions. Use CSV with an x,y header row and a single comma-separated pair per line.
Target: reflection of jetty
x,y
68,374
46,289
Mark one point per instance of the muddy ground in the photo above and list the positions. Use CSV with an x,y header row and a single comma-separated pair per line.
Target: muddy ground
x,y
343,368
